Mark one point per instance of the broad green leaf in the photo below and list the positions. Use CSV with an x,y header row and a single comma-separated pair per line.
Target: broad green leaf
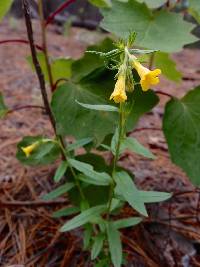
x,y
59,191
168,66
154,196
45,153
152,28
127,222
83,218
4,7
79,143
60,171
99,178
143,102
97,246
194,9
127,188
181,127
3,107
153,3
90,62
132,144
115,245
99,107
65,212
96,124
101,3
60,67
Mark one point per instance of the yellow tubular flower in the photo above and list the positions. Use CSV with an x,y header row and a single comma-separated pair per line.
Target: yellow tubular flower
x,y
119,93
148,77
28,149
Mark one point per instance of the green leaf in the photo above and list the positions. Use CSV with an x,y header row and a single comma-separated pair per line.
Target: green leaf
x,y
153,3
4,7
90,62
83,218
101,3
65,212
194,9
60,171
128,222
181,127
99,107
132,144
154,196
87,235
93,180
152,28
60,67
140,51
3,107
168,66
127,188
74,117
97,246
143,102
115,245
79,143
59,191
45,153
98,178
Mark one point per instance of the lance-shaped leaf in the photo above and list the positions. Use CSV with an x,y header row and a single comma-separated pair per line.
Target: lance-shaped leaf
x,y
133,145
115,244
152,28
83,218
98,178
79,143
129,191
99,107
154,196
181,127
59,191
60,171
65,212
97,246
127,222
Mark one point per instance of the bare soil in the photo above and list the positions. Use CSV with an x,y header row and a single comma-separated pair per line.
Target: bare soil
x,y
29,236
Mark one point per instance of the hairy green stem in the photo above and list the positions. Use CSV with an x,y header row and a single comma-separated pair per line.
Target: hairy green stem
x,y
116,157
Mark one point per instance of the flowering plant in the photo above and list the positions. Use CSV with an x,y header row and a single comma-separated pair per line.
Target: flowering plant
x,y
99,104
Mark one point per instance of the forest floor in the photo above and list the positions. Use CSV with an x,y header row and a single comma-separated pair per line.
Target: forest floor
x,y
29,236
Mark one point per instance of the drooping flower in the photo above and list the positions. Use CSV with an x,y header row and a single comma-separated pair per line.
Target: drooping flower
x,y
28,149
148,77
119,93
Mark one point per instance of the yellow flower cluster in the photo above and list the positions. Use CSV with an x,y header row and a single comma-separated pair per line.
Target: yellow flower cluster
x,y
147,78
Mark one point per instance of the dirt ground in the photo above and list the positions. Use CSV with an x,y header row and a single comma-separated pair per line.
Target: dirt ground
x,y
29,236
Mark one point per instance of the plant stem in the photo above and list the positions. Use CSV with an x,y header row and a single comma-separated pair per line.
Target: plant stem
x,y
36,63
21,41
151,60
116,157
60,8
44,43
42,84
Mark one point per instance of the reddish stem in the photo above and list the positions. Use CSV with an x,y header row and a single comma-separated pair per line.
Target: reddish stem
x,y
57,82
25,107
60,8
20,41
163,93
